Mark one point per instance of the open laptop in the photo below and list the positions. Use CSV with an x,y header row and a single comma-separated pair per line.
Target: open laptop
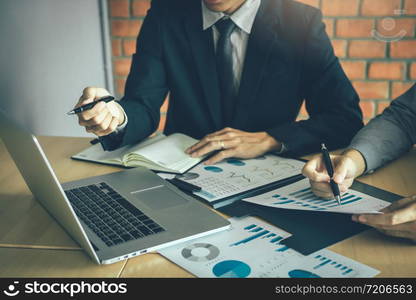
x,y
115,216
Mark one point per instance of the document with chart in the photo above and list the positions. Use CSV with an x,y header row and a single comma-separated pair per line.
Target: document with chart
x,y
252,248
299,196
234,176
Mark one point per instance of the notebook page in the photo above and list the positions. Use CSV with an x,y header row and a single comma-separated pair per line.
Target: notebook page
x,y
170,152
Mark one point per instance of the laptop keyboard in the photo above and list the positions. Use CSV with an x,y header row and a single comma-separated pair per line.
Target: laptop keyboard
x,y
109,215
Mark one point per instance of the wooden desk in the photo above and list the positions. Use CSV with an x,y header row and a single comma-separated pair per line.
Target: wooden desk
x,y
32,244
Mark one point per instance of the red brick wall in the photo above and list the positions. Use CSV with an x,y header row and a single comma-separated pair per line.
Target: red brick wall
x,y
379,70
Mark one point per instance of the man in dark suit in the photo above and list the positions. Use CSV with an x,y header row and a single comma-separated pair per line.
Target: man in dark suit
x,y
237,72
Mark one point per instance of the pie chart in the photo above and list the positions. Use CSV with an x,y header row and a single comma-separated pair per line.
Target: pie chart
x,y
213,169
236,162
200,252
231,269
302,274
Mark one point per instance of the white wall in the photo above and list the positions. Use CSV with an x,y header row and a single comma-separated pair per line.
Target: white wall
x,y
49,51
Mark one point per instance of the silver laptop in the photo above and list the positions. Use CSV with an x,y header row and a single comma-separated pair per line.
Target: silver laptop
x,y
115,216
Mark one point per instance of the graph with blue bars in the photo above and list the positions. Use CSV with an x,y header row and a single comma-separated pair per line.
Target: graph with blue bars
x,y
258,232
307,199
321,266
325,261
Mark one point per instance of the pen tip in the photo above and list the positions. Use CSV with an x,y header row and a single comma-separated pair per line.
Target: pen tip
x,y
338,198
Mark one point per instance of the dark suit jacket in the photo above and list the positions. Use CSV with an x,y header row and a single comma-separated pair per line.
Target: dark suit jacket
x,y
289,59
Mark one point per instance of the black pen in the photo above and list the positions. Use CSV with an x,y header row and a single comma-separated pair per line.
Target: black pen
x,y
330,169
90,105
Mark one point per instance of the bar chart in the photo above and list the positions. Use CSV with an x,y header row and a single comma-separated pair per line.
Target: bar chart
x,y
325,263
252,248
258,232
300,196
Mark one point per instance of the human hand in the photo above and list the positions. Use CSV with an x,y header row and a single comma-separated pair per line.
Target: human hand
x,y
398,219
233,143
346,168
103,118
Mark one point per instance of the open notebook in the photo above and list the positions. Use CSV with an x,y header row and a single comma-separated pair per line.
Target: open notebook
x,y
159,153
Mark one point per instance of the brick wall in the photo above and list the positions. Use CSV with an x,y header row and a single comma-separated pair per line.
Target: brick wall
x,y
374,39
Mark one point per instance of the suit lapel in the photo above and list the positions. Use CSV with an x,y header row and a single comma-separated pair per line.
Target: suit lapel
x,y
204,56
259,48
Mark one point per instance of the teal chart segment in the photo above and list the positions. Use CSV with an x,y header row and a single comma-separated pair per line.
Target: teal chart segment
x,y
231,269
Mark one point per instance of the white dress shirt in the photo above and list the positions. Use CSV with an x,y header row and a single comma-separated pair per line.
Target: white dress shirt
x,y
243,18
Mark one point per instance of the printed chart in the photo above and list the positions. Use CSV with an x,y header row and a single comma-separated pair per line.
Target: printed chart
x,y
234,176
300,196
252,248
325,263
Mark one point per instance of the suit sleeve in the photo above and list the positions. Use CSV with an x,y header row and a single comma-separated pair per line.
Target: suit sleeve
x,y
146,86
331,101
390,134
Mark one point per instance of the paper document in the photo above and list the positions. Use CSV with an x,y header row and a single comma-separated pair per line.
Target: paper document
x,y
299,196
233,176
252,248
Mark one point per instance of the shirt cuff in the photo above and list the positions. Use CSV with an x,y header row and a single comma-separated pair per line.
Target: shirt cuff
x,y
120,128
282,150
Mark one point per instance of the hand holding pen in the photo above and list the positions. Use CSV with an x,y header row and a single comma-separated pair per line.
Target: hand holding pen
x,y
97,111
330,170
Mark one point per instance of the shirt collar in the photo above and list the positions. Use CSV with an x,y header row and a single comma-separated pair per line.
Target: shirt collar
x,y
242,17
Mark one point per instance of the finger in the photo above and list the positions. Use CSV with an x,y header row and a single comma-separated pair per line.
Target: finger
x,y
93,93
206,148
322,187
403,215
341,170
111,128
202,143
82,101
399,203
223,136
93,112
96,120
399,234
222,131
220,156
310,170
101,126
323,194
409,227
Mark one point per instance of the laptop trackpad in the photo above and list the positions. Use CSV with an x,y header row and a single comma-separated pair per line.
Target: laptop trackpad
x,y
159,198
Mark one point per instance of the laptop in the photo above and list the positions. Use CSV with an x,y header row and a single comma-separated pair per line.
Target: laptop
x,y
115,216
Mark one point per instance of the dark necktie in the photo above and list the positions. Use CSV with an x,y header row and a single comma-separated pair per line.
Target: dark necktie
x,y
228,91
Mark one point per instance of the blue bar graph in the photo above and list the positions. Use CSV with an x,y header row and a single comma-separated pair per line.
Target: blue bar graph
x,y
283,249
284,202
261,233
324,261
256,229
250,226
275,240
307,199
253,237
